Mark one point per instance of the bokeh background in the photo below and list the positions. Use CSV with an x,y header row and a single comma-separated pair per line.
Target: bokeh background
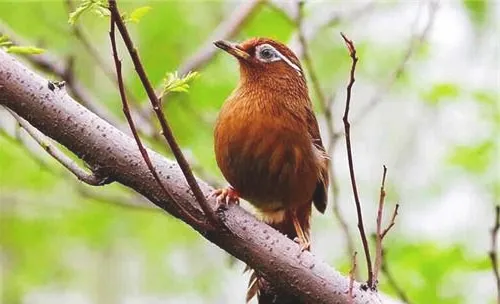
x,y
425,103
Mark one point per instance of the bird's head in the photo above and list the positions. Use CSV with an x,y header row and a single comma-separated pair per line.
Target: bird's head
x,y
265,60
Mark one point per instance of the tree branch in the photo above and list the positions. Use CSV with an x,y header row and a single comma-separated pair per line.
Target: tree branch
x,y
380,234
166,130
133,129
100,144
91,178
347,128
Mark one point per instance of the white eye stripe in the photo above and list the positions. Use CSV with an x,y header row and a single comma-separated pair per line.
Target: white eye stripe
x,y
278,56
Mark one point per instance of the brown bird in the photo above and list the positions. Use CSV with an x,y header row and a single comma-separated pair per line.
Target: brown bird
x,y
267,141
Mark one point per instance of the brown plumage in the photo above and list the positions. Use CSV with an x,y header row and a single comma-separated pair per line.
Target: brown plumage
x,y
267,140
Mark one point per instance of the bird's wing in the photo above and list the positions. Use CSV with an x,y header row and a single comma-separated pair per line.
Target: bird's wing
x,y
320,195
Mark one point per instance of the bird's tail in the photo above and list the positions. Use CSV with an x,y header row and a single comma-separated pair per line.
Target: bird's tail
x,y
282,221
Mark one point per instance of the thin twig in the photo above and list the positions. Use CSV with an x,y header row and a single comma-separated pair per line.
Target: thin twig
x,y
167,132
352,274
86,177
79,33
493,252
131,123
347,128
392,222
392,281
378,235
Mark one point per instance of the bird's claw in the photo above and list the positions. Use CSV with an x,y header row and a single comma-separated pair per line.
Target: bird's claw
x,y
304,244
226,196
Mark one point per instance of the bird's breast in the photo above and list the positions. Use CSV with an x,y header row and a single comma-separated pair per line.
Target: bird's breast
x,y
267,158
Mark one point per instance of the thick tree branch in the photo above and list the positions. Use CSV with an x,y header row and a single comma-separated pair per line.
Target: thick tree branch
x,y
101,145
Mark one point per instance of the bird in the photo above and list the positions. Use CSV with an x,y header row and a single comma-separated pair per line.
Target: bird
x,y
267,142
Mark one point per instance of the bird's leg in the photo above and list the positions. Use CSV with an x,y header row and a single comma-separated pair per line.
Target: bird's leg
x,y
226,196
302,239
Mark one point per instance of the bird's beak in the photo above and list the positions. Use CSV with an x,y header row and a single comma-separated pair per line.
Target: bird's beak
x,y
232,49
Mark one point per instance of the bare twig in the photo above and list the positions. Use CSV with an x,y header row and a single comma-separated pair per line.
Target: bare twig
x,y
167,132
347,128
378,235
352,274
392,281
131,123
392,222
89,178
79,33
494,248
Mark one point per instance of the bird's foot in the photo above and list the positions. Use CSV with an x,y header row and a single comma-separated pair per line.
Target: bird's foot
x,y
304,244
226,196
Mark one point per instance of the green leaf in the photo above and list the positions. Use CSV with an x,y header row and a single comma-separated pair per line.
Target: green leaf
x,y
97,6
173,83
25,50
102,11
474,159
477,11
440,92
138,13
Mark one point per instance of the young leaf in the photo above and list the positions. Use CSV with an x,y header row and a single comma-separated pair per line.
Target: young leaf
x,y
174,83
25,50
138,13
82,8
97,6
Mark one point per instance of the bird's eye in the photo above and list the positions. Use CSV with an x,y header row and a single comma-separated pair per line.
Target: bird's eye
x,y
266,53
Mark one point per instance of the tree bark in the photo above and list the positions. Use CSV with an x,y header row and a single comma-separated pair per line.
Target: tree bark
x,y
116,155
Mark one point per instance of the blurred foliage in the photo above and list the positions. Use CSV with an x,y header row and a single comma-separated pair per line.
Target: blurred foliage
x,y
51,238
477,10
